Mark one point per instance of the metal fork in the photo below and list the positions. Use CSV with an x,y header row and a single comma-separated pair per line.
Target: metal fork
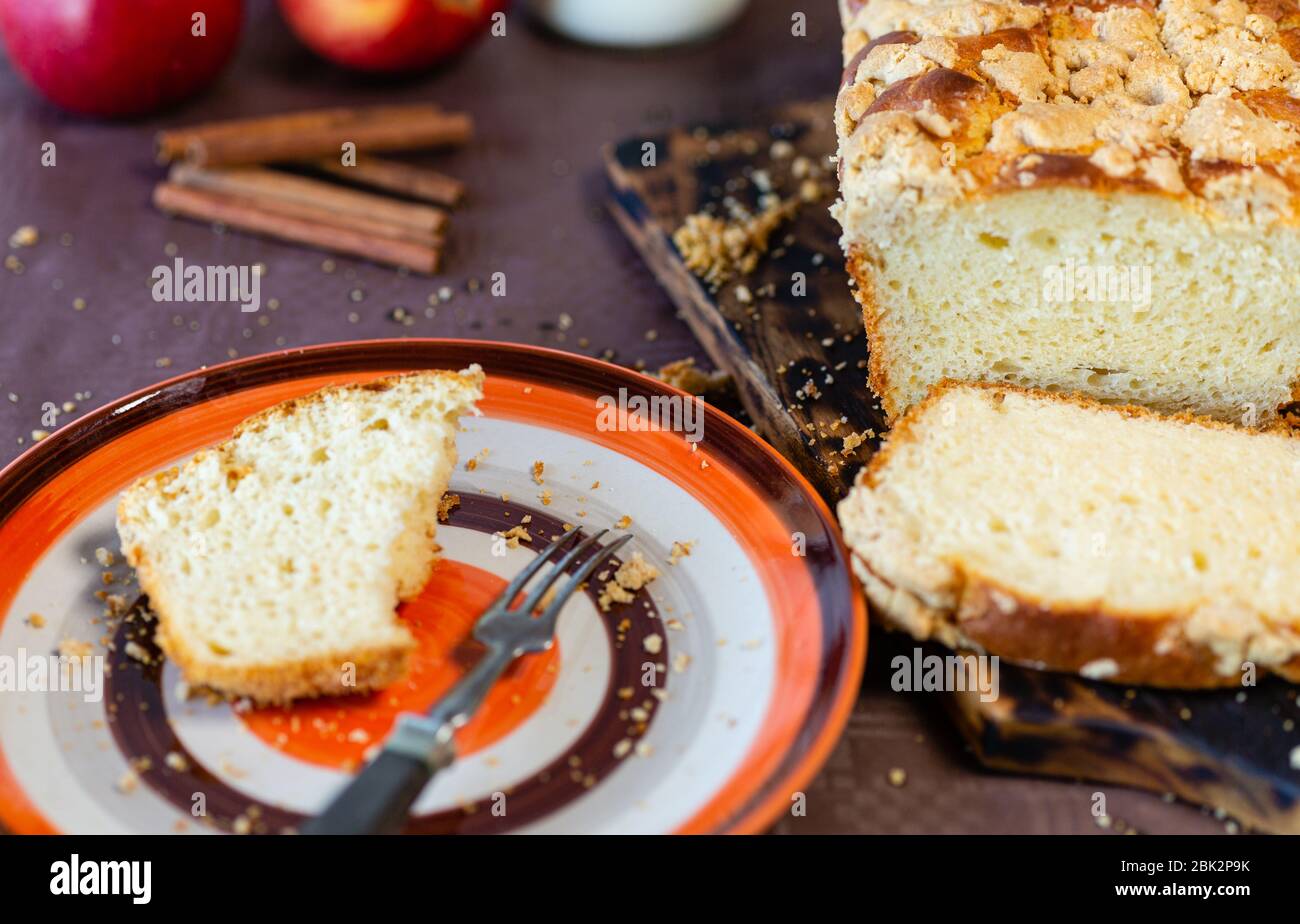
x,y
379,798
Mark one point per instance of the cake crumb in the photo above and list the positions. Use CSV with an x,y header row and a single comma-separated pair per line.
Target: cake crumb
x,y
75,648
515,535
446,505
632,575
104,557
26,236
1100,669
717,250
679,551
128,782
36,621
538,469
853,441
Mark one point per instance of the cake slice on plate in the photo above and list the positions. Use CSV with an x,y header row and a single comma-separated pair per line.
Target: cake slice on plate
x,y
1065,534
275,561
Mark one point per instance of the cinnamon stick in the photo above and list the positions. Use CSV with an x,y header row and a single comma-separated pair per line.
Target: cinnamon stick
x,y
396,177
315,134
300,197
247,215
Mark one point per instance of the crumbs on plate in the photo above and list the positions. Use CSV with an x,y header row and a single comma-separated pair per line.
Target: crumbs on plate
x,y
632,575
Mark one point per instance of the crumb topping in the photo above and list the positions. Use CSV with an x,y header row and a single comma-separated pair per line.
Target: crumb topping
x,y
950,98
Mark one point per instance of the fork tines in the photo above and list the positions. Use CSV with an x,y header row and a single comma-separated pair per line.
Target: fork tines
x,y
502,606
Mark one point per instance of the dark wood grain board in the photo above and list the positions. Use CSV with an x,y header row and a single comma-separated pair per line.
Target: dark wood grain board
x,y
1225,750
776,345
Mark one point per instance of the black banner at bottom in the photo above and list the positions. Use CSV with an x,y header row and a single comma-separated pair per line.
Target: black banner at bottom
x,y
204,874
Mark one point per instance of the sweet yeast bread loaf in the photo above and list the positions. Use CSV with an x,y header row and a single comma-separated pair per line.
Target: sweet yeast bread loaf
x,y
1066,534
1097,197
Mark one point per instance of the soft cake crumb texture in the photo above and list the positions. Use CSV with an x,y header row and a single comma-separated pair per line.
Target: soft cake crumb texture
x,y
1081,508
279,555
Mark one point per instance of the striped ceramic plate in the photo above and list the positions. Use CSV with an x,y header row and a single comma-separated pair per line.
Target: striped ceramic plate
x,y
704,704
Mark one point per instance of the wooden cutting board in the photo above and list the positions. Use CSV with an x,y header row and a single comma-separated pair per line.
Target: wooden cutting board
x,y
790,335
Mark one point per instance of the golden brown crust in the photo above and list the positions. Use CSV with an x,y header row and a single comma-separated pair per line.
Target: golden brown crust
x,y
864,291
1145,650
1105,96
902,37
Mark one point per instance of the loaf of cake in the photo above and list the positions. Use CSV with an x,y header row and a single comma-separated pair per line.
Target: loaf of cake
x,y
1097,197
275,560
1061,533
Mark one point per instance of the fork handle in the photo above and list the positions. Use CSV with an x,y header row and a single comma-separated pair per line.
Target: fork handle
x,y
378,800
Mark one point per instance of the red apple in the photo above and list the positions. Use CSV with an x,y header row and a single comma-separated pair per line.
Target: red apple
x,y
389,35
119,57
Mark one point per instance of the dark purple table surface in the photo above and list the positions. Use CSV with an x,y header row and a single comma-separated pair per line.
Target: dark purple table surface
x,y
544,109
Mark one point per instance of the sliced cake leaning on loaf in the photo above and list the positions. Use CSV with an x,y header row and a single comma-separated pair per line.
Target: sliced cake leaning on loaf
x,y
1099,197
1069,535
275,561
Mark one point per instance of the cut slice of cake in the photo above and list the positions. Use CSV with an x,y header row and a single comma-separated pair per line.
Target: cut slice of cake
x,y
1096,197
275,561
1070,535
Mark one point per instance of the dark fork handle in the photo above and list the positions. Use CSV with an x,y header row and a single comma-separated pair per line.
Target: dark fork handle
x,y
378,800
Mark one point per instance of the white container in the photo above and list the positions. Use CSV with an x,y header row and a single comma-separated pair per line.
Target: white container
x,y
636,23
